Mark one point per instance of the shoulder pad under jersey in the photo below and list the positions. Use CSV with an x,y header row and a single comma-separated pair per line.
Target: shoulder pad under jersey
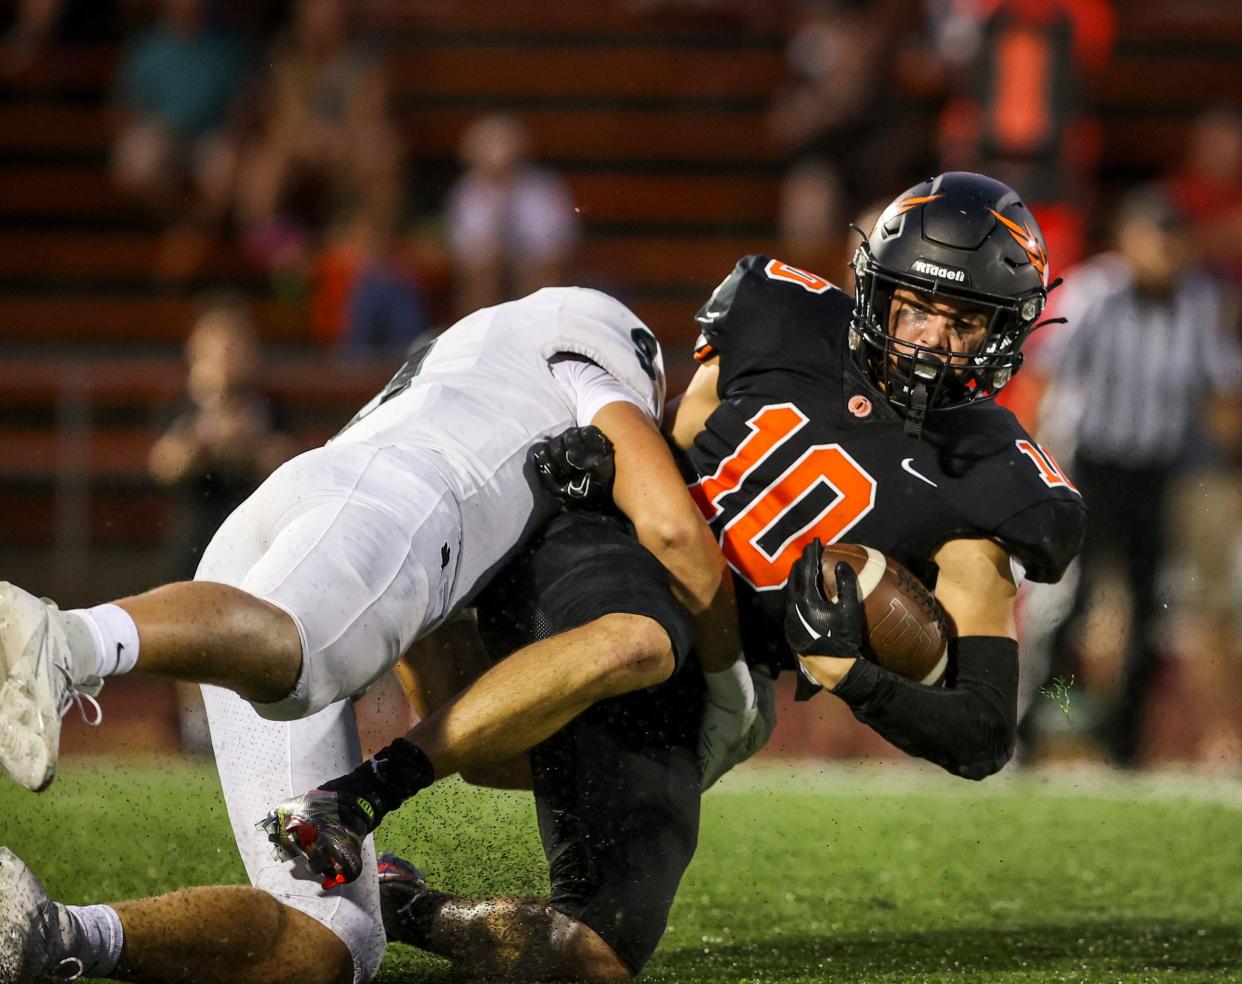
x,y
1045,529
1012,490
767,313
1045,537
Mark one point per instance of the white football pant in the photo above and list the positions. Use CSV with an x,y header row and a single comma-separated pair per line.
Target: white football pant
x,y
358,543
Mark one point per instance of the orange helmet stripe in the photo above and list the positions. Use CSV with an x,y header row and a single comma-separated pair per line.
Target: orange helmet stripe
x,y
1025,237
914,201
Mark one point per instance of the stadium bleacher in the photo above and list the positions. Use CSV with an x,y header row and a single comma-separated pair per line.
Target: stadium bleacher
x,y
661,136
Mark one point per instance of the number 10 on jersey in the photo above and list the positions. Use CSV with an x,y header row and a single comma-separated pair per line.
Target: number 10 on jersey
x,y
826,465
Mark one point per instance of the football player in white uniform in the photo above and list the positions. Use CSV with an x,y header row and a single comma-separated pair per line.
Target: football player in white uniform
x,y
316,585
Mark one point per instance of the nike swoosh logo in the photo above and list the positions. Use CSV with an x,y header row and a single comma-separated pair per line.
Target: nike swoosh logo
x,y
908,468
806,625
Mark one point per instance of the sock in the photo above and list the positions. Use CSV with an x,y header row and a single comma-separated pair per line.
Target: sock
x,y
113,641
94,935
383,783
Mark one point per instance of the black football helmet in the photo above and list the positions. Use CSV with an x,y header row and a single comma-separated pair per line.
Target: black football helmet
x,y
962,237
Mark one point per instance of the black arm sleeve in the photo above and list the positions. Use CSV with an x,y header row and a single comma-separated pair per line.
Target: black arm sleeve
x,y
967,728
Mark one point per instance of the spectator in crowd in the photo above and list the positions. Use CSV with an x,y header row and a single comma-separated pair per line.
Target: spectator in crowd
x,y
226,436
511,225
1208,187
326,138
177,96
1021,112
1131,378
367,299
842,124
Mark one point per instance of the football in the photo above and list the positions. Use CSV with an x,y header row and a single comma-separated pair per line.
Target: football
x,y
906,628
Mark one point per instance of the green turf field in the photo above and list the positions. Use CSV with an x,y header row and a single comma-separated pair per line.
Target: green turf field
x,y
802,875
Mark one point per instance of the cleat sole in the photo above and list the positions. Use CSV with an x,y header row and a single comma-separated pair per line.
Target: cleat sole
x,y
24,754
29,713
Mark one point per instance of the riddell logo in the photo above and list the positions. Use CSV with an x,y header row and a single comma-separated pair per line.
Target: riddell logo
x,y
936,270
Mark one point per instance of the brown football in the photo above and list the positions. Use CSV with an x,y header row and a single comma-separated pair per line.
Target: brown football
x,y
906,629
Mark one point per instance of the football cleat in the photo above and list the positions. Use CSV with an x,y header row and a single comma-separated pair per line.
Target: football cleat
x,y
36,687
30,937
396,872
400,883
324,827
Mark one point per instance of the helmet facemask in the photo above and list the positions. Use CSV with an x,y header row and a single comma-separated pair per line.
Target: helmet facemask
x,y
917,378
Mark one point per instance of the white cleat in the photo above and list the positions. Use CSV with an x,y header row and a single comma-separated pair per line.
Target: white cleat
x,y
30,943
36,688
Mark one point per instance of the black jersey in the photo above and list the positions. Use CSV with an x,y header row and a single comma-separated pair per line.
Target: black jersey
x,y
803,445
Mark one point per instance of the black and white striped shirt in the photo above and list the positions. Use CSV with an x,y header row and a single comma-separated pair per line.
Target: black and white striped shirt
x,y
1130,372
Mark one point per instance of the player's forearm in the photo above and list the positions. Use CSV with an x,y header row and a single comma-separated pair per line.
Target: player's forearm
x,y
968,729
716,639
648,488
701,583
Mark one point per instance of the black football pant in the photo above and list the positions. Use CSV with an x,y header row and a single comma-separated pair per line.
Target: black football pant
x,y
1126,518
617,789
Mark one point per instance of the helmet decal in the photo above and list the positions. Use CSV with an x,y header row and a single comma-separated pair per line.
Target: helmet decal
x,y
1024,236
914,201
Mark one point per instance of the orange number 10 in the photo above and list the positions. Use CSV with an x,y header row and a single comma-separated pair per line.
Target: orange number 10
x,y
829,465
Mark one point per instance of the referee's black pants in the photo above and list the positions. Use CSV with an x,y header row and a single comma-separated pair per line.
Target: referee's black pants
x,y
1127,519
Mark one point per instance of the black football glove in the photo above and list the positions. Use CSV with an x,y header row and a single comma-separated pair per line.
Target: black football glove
x,y
576,467
815,626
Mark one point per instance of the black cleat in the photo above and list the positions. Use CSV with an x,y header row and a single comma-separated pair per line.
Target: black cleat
x,y
400,884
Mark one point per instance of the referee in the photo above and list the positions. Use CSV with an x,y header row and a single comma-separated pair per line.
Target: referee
x,y
1132,374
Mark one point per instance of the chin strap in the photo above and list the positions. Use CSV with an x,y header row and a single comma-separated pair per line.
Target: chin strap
x,y
916,408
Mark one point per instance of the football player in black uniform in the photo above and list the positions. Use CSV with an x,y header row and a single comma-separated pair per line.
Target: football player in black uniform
x,y
817,417
616,790
813,419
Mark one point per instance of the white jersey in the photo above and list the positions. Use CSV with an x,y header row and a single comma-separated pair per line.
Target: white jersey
x,y
484,393
370,541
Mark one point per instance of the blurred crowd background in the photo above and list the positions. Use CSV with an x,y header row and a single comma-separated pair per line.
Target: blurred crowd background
x,y
223,222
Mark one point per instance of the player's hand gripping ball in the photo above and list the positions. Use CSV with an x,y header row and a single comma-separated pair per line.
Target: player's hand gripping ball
x,y
815,625
576,467
900,625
